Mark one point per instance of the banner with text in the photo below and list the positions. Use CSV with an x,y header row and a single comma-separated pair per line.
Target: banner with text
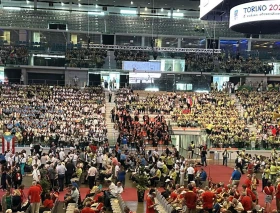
x,y
255,11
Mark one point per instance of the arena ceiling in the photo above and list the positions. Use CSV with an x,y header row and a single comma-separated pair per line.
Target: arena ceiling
x,y
192,5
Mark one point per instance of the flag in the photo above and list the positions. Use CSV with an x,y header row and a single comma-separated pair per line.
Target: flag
x,y
8,143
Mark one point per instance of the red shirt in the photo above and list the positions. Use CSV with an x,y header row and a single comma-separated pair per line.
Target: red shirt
x,y
87,210
34,194
248,183
208,198
48,203
190,198
173,195
277,195
246,203
251,194
219,190
268,190
149,203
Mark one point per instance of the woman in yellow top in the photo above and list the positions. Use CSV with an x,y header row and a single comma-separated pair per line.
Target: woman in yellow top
x,y
273,171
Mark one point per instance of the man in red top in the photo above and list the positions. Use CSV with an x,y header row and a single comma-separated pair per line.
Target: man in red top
x,y
248,181
150,203
87,208
207,199
34,195
246,202
277,195
190,200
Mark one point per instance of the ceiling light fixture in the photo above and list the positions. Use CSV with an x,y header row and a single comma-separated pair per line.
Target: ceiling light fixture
x,y
96,6
146,8
178,10
79,4
161,9
128,12
131,2
62,3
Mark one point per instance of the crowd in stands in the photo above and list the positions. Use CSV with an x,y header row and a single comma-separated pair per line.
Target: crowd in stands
x,y
44,114
126,55
259,111
87,58
225,62
17,55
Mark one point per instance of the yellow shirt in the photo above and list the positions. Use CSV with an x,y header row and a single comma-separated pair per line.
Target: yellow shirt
x,y
273,169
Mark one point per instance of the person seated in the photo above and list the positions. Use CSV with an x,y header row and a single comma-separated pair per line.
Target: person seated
x,y
55,193
87,208
73,196
47,204
16,201
98,206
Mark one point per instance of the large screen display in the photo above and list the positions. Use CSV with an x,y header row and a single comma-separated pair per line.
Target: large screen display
x,y
207,5
143,78
255,11
142,66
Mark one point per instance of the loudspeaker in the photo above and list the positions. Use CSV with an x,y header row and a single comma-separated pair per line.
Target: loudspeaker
x,y
57,26
153,11
123,81
104,8
108,39
94,79
50,4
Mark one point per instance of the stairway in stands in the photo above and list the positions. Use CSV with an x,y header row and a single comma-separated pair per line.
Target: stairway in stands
x,y
112,133
110,62
240,108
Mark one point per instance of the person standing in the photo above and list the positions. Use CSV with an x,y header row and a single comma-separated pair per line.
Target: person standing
x,y
70,170
235,177
269,192
34,196
91,176
225,157
150,202
192,149
190,172
207,199
277,194
36,173
203,157
60,169
190,199
110,97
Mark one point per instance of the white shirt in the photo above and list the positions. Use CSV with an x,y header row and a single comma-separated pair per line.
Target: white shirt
x,y
160,164
36,174
117,169
190,171
119,189
92,171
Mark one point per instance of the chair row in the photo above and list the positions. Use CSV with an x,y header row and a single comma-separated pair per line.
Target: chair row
x,y
117,204
163,206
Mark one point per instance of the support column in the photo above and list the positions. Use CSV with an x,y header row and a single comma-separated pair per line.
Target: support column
x,y
115,40
101,40
35,4
179,42
24,73
171,12
249,44
68,38
143,41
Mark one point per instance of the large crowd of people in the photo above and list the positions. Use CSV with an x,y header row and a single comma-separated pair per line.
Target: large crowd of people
x,y
86,58
125,55
225,62
44,114
72,114
17,55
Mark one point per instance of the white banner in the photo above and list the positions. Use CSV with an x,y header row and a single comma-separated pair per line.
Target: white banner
x,y
207,5
255,11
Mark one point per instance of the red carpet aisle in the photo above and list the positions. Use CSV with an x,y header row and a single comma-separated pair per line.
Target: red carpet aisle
x,y
218,173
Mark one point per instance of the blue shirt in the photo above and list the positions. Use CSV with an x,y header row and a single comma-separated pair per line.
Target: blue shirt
x,y
236,175
123,157
203,176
